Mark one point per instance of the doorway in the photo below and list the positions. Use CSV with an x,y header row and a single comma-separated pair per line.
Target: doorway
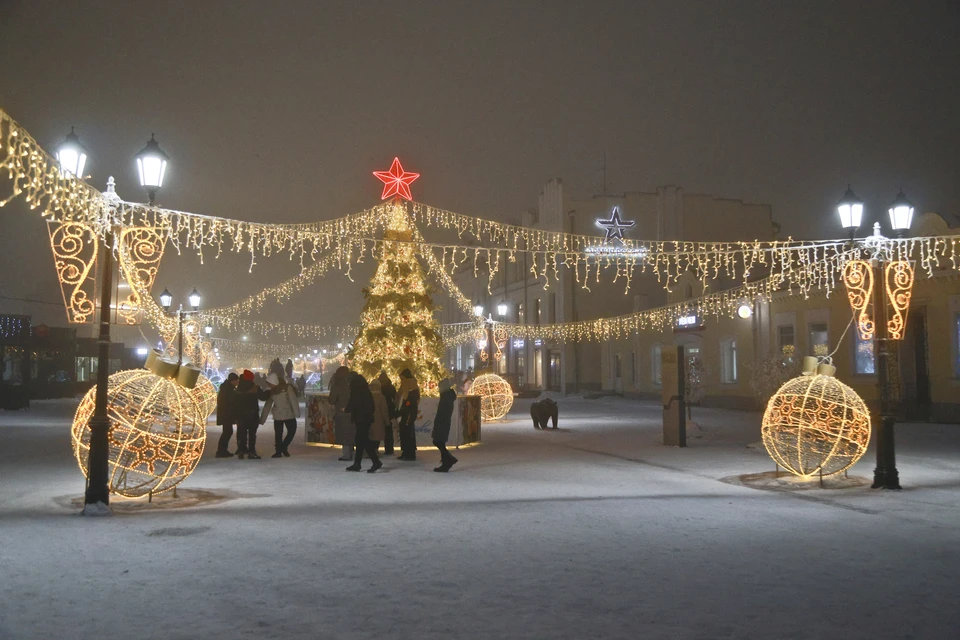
x,y
915,367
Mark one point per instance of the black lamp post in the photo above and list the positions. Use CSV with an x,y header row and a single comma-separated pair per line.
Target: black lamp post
x,y
166,301
850,209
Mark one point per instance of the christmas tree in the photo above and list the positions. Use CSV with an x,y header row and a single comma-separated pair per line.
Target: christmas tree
x,y
397,327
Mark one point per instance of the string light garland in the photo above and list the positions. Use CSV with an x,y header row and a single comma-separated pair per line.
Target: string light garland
x,y
496,396
75,246
205,395
156,435
815,424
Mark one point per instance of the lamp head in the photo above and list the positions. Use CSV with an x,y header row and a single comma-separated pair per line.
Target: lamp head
x,y
71,155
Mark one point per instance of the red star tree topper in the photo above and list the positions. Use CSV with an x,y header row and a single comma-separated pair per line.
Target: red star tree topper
x,y
396,182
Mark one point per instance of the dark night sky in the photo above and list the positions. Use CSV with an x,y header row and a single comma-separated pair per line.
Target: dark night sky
x,y
279,111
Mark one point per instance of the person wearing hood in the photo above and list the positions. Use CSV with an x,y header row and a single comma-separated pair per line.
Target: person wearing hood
x,y
390,395
283,402
343,428
362,409
248,416
441,424
408,403
227,413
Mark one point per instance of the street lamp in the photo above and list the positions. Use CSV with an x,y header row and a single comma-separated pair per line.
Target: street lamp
x,y
745,310
71,155
901,214
166,300
886,282
850,209
502,308
477,308
152,165
208,329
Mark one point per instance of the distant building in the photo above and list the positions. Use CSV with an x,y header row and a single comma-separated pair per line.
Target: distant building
x,y
667,214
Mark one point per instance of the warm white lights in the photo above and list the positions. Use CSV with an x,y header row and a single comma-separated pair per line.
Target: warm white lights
x,y
745,310
496,396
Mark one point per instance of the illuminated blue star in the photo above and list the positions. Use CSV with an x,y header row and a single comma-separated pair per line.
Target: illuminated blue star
x,y
615,226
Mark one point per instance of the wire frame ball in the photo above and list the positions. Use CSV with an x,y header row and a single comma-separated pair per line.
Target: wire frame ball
x,y
496,396
156,437
205,394
816,424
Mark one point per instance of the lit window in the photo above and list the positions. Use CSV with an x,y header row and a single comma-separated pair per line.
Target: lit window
x,y
785,339
864,357
655,371
728,360
819,342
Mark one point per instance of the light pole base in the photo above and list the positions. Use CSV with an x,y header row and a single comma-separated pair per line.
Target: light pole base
x,y
96,510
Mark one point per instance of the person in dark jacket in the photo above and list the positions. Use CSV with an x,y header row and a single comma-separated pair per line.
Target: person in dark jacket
x,y
541,410
227,413
408,404
441,424
248,416
361,409
390,395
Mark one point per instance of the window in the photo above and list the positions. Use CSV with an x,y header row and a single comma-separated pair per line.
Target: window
x,y
520,367
785,340
655,364
728,360
536,311
521,317
617,366
687,291
864,357
819,342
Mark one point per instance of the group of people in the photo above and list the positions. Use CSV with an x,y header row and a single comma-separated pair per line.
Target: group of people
x,y
364,414
238,404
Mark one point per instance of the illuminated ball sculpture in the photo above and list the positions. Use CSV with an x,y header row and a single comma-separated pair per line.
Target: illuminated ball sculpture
x,y
157,433
205,394
814,424
496,395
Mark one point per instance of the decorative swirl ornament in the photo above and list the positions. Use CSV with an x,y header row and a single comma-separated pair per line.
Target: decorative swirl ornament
x,y
858,279
144,250
898,280
75,246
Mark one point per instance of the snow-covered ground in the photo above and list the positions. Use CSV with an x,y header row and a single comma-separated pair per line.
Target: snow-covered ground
x,y
592,531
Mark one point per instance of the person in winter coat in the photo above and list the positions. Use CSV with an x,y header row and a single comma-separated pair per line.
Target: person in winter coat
x,y
227,400
283,402
248,416
362,409
301,385
441,424
342,423
381,415
390,395
289,368
408,403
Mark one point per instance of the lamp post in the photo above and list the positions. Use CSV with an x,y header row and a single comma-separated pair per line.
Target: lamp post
x,y
166,301
71,155
885,335
152,166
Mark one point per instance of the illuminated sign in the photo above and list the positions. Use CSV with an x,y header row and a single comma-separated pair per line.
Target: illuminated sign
x,y
615,226
518,343
687,321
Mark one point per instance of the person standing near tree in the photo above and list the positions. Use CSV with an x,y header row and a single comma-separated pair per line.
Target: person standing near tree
x,y
390,395
248,416
227,413
408,403
343,429
382,423
362,409
441,424
283,402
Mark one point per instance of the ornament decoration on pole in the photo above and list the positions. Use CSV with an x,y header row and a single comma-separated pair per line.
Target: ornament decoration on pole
x,y
396,181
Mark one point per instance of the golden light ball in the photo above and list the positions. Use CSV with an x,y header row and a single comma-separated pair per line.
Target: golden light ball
x,y
496,396
157,433
816,424
205,395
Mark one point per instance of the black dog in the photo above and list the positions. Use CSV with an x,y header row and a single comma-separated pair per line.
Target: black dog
x,y
541,410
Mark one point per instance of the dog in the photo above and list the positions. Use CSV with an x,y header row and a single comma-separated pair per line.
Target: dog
x,y
541,410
